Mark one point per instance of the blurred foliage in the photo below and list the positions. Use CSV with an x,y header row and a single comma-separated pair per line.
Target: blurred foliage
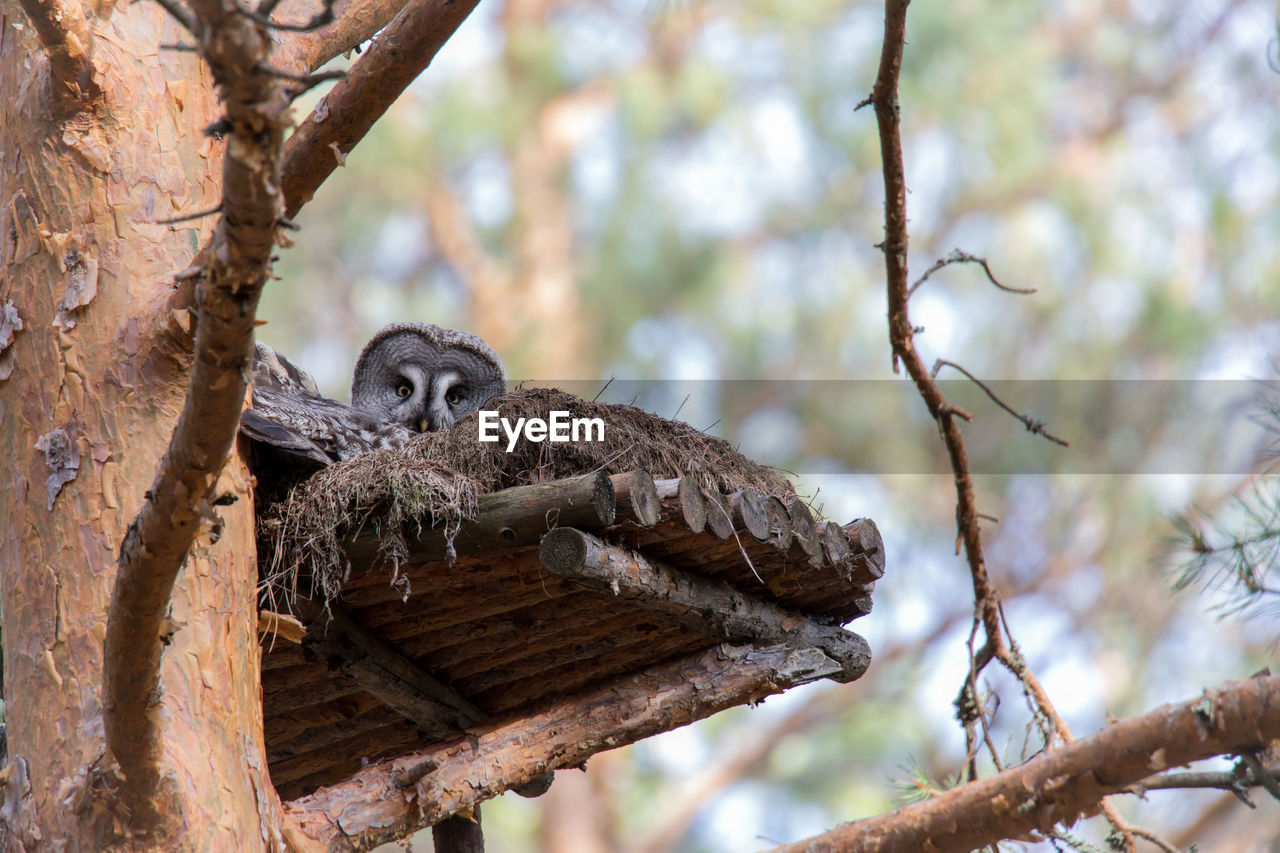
x,y
722,198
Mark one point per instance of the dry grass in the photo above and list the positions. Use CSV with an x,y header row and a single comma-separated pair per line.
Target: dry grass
x,y
436,480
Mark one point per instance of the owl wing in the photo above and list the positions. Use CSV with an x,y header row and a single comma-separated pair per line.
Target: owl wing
x,y
291,418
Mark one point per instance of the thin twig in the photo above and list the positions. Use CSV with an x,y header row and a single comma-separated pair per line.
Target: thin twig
x,y
602,390
187,217
958,256
179,13
1030,423
320,19
308,80
1264,777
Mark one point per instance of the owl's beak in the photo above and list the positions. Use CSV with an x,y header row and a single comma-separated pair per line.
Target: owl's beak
x,y
424,425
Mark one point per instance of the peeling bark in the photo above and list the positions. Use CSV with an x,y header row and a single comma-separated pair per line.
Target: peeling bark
x,y
79,241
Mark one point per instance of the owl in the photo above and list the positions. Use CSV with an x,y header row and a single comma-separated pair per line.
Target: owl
x,y
410,378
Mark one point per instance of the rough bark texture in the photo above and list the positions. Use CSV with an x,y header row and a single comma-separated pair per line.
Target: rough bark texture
x,y
182,497
387,800
87,268
1061,785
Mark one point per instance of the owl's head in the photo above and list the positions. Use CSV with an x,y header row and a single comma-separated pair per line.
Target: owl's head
x,y
425,377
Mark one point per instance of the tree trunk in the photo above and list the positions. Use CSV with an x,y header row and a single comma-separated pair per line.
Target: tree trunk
x,y
98,378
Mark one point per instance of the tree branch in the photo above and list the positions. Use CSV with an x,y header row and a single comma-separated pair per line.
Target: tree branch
x,y
64,33
394,798
235,267
1060,786
987,603
349,109
355,22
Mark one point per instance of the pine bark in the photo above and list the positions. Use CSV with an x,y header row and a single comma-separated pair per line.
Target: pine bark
x,y
97,376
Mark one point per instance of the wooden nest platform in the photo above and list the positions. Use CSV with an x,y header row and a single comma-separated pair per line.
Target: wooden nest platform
x,y
581,614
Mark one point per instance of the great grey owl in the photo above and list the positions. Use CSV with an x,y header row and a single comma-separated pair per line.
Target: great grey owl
x,y
411,377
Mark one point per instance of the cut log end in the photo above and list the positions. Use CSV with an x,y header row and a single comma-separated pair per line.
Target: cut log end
x,y
865,538
693,505
780,533
749,513
805,531
563,550
847,554
604,498
637,498
719,514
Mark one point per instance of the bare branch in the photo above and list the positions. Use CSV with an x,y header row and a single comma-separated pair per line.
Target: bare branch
x,y
350,108
1029,422
987,607
1237,781
1060,786
394,798
961,257
356,21
235,266
64,34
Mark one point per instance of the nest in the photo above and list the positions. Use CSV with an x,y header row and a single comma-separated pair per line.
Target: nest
x,y
435,480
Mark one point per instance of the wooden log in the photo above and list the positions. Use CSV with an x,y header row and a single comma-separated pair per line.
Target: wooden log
x,y
460,833
865,538
683,504
391,799
309,759
747,510
507,519
433,706
854,566
780,533
697,603
430,704
636,498
719,514
682,514
805,530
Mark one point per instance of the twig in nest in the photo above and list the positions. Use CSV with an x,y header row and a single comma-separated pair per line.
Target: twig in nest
x,y
1030,423
961,257
602,390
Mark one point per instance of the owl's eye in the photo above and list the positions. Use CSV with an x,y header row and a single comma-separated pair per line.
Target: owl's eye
x,y
404,390
453,398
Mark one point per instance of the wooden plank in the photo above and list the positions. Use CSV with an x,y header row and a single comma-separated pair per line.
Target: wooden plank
x,y
698,603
